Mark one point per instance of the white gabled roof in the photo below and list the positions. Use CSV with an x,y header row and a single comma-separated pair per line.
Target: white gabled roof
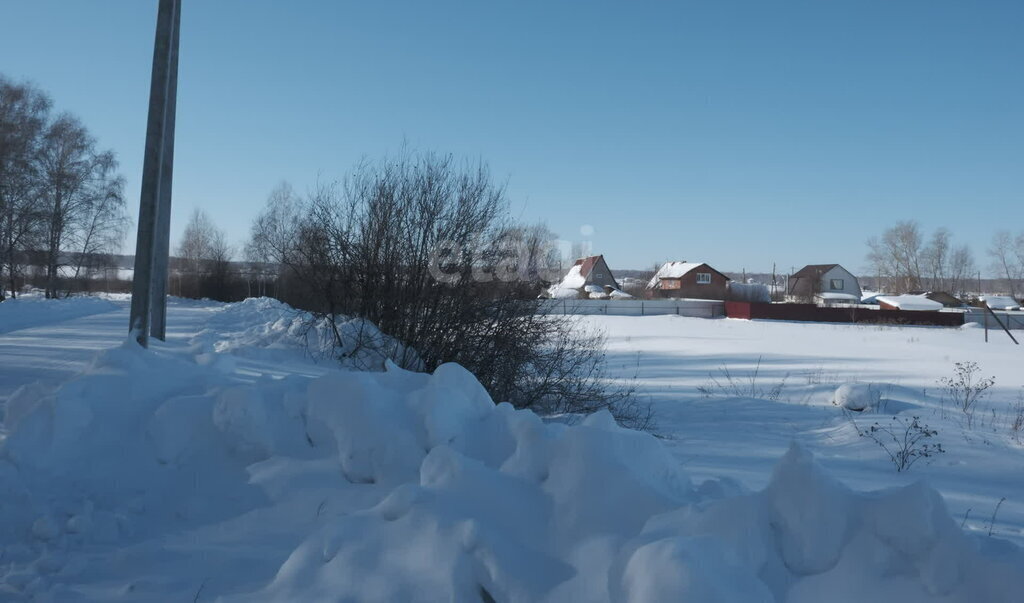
x,y
671,270
909,302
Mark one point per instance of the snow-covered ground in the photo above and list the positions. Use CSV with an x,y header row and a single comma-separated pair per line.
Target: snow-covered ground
x,y
677,362
232,463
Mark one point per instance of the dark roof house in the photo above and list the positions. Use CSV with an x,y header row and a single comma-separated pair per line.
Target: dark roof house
x,y
824,282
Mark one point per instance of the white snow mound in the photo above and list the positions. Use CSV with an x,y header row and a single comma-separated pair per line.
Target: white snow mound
x,y
430,493
266,328
23,313
857,396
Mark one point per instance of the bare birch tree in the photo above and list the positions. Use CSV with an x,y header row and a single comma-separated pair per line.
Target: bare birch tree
x,y
24,113
61,199
896,257
1007,253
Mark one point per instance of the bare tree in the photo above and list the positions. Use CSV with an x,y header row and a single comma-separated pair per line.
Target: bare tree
x,y
935,260
270,247
219,266
61,200
905,263
102,221
961,269
1007,253
24,113
204,258
81,193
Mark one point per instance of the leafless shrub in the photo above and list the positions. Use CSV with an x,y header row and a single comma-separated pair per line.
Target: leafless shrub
x,y
1017,417
964,388
992,521
738,386
819,377
906,441
423,247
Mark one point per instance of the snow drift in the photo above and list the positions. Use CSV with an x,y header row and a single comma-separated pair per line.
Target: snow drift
x,y
23,312
370,486
267,329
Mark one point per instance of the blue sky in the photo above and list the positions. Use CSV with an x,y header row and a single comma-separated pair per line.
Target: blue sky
x,y
738,133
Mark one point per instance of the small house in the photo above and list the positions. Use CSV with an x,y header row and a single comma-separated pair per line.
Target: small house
x,y
587,278
688,280
825,284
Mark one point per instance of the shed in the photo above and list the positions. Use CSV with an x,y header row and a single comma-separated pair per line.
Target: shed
x,y
908,302
946,299
1000,302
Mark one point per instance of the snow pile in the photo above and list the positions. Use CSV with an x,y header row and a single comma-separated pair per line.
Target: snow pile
x,y
597,514
438,494
264,327
22,313
401,486
557,292
857,396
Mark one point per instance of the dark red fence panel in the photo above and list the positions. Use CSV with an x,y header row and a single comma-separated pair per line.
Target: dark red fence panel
x,y
738,309
813,313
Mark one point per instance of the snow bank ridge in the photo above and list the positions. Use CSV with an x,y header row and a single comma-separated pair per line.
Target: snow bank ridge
x,y
22,313
473,500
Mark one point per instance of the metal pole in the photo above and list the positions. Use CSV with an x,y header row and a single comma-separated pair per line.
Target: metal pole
x,y
158,306
998,320
154,202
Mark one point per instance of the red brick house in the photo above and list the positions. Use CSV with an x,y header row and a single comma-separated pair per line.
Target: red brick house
x,y
688,280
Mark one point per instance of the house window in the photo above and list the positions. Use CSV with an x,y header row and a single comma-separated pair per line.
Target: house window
x,y
703,278
836,284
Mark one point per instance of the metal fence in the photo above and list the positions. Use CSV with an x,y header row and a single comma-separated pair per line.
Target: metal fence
x,y
841,314
1013,320
699,308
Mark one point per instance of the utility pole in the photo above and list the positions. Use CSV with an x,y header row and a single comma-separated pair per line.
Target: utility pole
x,y
149,284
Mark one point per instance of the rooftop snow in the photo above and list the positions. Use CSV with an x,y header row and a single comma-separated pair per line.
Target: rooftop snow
x,y
910,302
1000,302
672,270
